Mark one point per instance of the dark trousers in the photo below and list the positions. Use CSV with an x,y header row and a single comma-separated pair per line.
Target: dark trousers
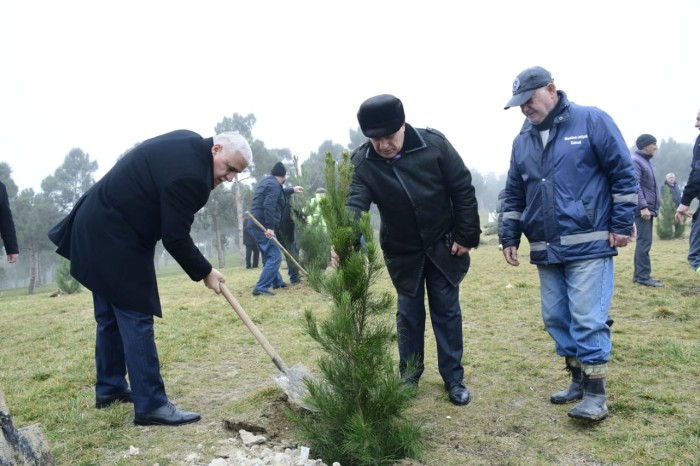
x,y
251,252
642,261
125,339
446,318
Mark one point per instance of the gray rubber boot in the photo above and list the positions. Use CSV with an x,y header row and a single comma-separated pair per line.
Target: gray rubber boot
x,y
593,407
575,390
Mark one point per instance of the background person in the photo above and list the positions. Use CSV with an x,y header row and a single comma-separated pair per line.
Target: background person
x,y
690,192
252,252
151,194
268,202
7,227
648,205
572,191
429,223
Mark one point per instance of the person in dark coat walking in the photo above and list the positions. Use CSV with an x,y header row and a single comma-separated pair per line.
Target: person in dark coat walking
x,y
7,227
110,236
288,239
429,223
252,252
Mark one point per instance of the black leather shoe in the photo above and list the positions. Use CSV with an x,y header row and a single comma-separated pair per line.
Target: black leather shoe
x,y
166,415
650,282
283,285
263,293
103,401
459,395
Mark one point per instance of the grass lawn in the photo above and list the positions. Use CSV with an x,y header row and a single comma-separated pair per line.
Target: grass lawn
x,y
211,363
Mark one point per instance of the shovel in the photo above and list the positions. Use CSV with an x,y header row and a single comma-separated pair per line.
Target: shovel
x,y
279,245
291,380
26,446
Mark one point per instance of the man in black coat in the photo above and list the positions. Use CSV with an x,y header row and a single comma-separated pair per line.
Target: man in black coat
x,y
7,227
110,236
430,221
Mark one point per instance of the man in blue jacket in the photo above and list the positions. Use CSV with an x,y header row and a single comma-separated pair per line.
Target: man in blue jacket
x,y
151,194
572,191
269,201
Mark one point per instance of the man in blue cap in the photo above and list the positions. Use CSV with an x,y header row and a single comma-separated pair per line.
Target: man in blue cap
x,y
572,191
430,222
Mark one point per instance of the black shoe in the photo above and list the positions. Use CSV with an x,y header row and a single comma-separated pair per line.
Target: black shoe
x,y
166,415
262,292
283,285
459,395
649,282
103,401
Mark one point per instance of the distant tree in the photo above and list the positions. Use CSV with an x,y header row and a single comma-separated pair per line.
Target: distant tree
x,y
65,281
672,157
313,168
244,126
218,217
356,139
70,180
6,179
666,226
34,215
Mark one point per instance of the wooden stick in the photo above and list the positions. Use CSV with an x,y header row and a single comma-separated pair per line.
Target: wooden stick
x,y
279,245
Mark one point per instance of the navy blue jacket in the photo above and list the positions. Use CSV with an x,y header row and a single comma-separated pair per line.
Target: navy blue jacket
x,y
268,202
151,194
567,196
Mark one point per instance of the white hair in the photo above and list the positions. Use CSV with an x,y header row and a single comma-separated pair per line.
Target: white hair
x,y
235,142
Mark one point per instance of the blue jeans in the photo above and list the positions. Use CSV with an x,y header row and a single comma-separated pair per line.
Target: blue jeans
x,y
575,302
125,340
446,317
271,257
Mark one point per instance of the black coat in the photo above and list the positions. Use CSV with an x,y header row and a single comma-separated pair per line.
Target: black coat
x,y
7,225
425,199
151,194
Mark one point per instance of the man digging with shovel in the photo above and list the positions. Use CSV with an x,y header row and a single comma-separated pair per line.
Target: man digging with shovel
x,y
110,236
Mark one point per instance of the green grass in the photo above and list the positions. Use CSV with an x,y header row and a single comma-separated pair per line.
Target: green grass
x,y
211,363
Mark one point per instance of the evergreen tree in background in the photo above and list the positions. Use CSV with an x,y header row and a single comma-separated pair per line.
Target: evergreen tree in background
x,y
666,226
65,281
360,399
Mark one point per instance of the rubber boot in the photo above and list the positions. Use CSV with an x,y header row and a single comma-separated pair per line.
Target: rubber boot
x,y
575,390
593,407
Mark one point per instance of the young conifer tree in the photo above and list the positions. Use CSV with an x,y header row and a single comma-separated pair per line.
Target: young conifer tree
x,y
65,281
667,211
360,401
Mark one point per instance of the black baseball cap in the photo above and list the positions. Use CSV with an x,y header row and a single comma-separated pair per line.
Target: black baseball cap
x,y
381,116
526,83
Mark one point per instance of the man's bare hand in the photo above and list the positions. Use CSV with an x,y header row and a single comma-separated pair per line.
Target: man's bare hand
x,y
511,255
682,212
459,250
618,241
213,280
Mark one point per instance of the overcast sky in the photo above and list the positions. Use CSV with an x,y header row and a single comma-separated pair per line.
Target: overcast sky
x,y
102,76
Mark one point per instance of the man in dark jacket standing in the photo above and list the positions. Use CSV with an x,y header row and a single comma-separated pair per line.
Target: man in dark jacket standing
x,y
7,227
150,194
268,202
430,222
690,192
572,191
647,208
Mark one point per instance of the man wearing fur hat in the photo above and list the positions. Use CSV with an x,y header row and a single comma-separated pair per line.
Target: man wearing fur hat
x,y
647,208
430,221
268,202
